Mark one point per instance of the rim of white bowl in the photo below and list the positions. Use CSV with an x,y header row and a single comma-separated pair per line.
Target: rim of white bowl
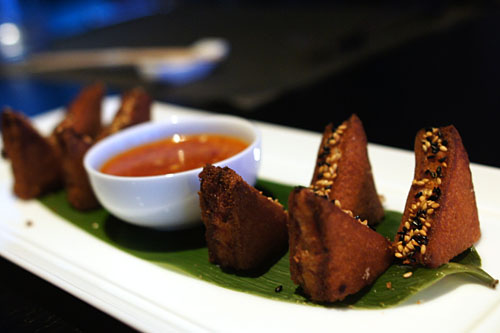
x,y
139,127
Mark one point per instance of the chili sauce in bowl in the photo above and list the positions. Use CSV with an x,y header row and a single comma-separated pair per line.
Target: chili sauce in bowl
x,y
148,174
174,154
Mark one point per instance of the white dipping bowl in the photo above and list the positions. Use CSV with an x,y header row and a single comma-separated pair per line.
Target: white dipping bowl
x,y
166,202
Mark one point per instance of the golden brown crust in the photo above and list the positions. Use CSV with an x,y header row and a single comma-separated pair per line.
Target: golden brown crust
x,y
453,224
73,147
244,229
59,157
134,109
343,159
332,255
35,162
84,112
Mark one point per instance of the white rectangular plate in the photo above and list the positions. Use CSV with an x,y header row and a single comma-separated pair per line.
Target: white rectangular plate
x,y
154,299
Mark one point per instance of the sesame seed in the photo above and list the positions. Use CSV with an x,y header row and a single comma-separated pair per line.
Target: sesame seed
x,y
407,275
439,171
423,249
324,182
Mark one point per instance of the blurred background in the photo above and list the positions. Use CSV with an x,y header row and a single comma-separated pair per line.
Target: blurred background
x,y
400,65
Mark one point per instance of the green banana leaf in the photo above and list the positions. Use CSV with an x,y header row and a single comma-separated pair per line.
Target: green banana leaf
x,y
185,252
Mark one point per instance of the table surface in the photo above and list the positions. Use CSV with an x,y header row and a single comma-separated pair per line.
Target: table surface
x,y
399,68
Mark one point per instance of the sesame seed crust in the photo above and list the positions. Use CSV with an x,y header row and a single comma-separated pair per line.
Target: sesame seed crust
x,y
413,236
327,170
343,172
440,218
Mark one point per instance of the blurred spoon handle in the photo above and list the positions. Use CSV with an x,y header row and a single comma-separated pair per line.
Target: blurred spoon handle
x,y
81,59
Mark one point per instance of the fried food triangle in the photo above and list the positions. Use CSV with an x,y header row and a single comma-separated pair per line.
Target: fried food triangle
x,y
73,143
73,147
135,108
34,161
332,255
245,229
343,172
440,219
84,112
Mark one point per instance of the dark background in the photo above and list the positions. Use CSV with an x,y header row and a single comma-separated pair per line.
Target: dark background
x,y
400,66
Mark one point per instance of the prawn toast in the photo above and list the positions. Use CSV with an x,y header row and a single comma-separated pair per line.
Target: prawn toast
x,y
332,255
34,160
42,164
84,112
73,144
135,108
73,147
440,219
244,228
343,172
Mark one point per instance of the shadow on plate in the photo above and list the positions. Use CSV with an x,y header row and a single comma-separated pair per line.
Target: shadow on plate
x,y
149,240
259,271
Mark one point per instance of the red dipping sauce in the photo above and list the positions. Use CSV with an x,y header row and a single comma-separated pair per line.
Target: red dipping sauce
x,y
174,154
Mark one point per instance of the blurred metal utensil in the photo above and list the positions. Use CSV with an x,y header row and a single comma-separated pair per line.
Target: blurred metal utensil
x,y
173,64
